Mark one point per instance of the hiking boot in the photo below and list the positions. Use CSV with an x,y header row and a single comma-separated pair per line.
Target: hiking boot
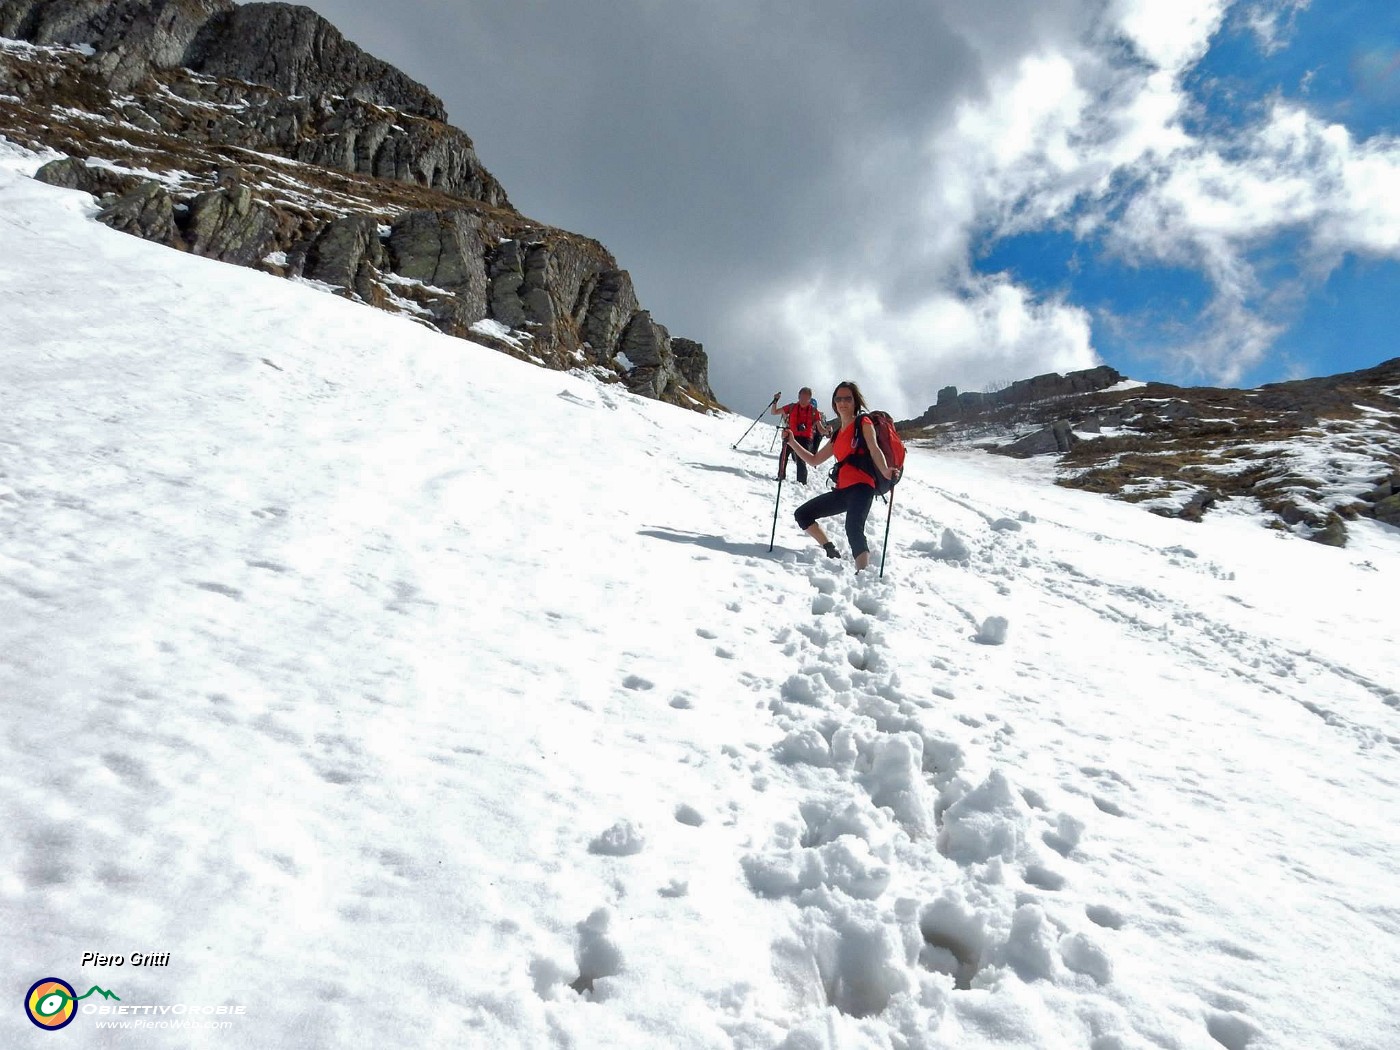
x,y
832,552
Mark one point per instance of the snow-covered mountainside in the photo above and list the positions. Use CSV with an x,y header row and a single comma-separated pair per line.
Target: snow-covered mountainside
x,y
391,692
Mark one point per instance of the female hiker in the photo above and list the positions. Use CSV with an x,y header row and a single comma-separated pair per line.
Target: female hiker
x,y
855,480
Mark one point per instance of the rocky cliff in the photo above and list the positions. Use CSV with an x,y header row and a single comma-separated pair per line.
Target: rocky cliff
x,y
258,135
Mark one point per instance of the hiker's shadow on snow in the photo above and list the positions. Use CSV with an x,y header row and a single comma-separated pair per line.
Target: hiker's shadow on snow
x,y
751,475
714,543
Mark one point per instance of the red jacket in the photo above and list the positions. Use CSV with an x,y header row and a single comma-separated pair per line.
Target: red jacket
x,y
802,420
844,443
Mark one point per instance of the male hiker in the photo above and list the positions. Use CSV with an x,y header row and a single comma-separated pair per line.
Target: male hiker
x,y
804,421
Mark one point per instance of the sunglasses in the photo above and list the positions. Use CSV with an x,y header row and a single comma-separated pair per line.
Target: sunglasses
x,y
844,397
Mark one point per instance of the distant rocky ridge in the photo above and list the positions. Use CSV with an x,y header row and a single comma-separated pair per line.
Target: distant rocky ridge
x,y
258,135
953,406
1314,453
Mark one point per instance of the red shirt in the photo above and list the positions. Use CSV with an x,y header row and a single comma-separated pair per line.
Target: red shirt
x,y
849,474
802,419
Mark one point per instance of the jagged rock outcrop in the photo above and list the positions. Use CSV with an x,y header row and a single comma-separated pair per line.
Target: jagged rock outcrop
x,y
296,51
228,224
375,194
647,346
1056,438
132,38
442,249
284,46
384,124
73,174
344,252
147,212
611,307
1388,510
692,362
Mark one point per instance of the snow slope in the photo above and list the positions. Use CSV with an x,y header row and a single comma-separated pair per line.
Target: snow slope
x,y
407,695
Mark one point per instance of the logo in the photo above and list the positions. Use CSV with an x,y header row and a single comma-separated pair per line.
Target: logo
x,y
52,1003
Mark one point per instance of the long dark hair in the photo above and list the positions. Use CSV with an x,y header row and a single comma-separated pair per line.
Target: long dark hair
x,y
858,404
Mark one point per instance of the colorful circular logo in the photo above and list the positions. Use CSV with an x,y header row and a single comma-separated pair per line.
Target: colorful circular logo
x,y
51,1003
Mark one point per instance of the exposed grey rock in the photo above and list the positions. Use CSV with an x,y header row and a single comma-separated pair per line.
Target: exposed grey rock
x,y
610,309
1197,505
150,33
287,47
1333,533
229,225
445,250
523,285
648,346
506,273
1058,437
1388,510
536,286
339,251
1385,488
296,51
335,114
146,211
73,174
350,135
693,365
646,343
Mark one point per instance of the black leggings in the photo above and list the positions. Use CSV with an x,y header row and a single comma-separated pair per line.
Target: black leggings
x,y
810,443
855,500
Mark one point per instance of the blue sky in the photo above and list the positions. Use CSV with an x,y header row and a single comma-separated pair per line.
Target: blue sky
x,y
1340,61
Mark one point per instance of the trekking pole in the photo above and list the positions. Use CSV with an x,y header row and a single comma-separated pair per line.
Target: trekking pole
x,y
773,538
886,545
757,418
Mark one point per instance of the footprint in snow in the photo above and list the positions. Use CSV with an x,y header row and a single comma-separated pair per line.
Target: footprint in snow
x,y
1113,809
689,815
1064,837
1103,915
1231,1030
636,681
1041,877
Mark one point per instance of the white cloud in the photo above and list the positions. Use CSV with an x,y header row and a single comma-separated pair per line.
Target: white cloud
x,y
966,337
1272,21
1171,34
